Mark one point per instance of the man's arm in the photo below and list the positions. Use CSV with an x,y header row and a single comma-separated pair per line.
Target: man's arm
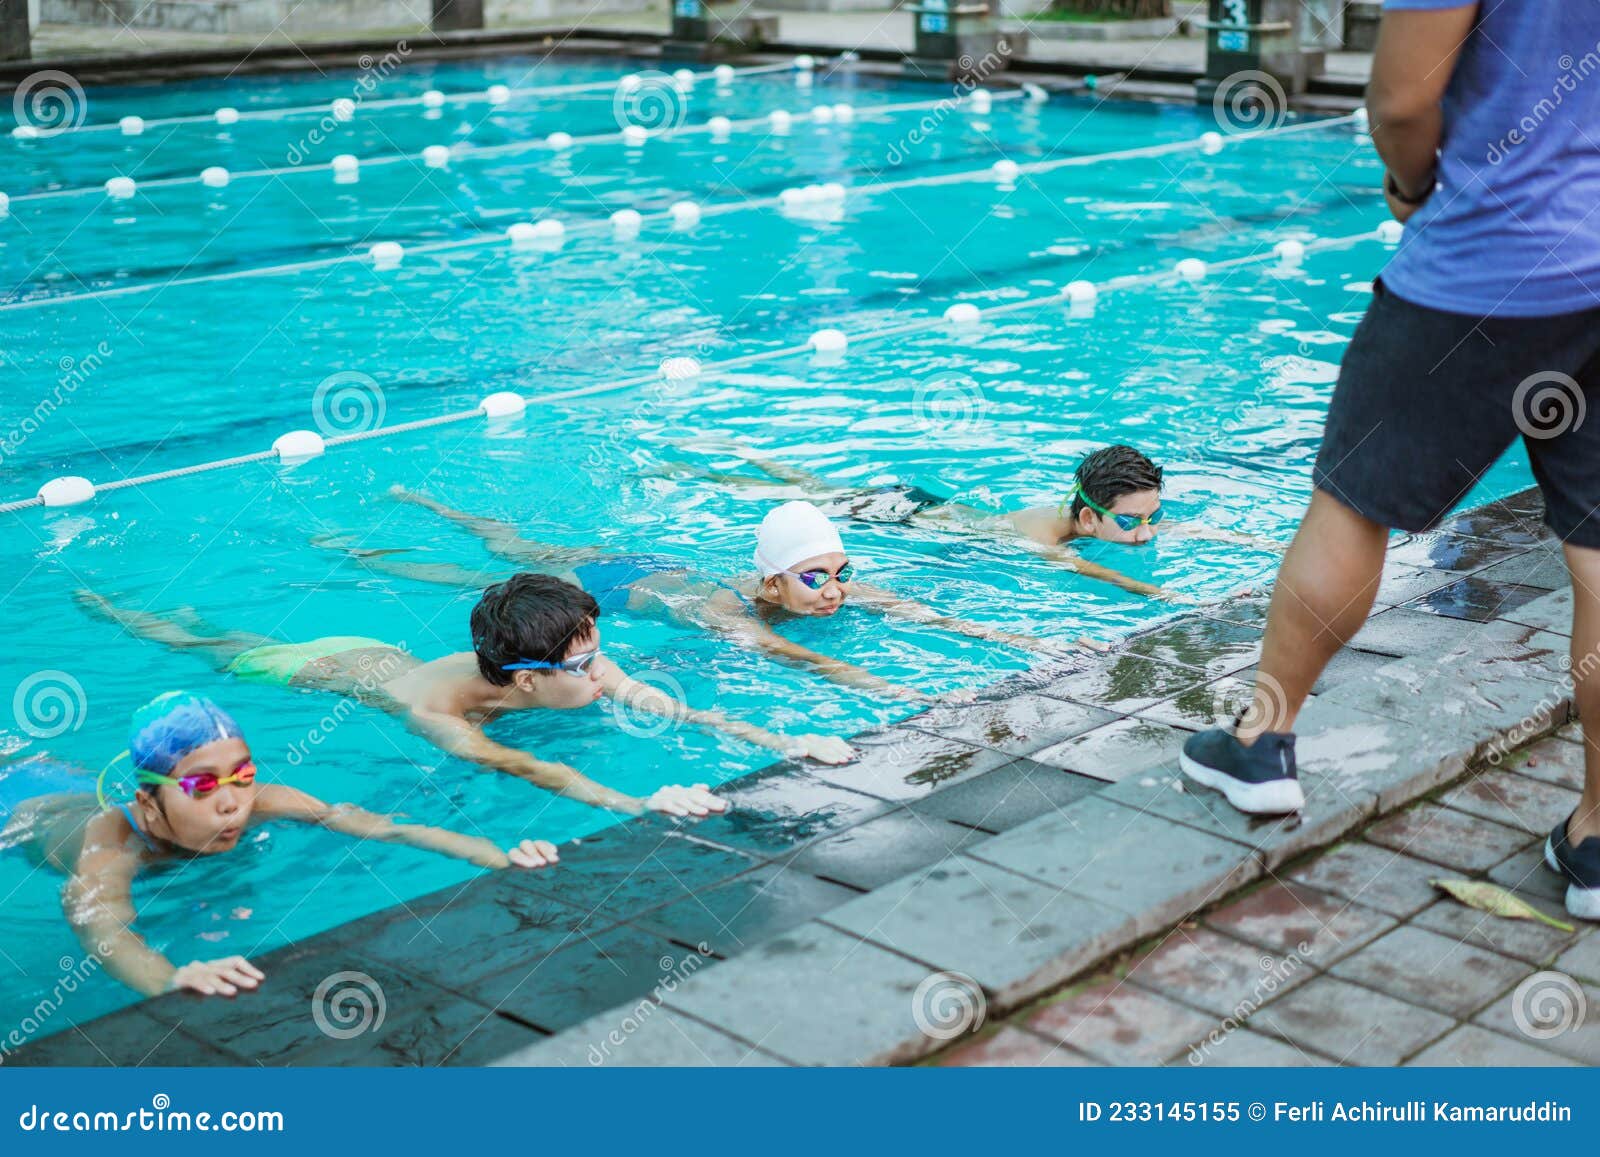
x,y
637,696
1411,68
276,801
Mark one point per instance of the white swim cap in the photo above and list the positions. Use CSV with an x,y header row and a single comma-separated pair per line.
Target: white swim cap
x,y
792,533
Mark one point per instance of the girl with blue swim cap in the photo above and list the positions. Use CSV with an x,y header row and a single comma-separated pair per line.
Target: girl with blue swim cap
x,y
194,793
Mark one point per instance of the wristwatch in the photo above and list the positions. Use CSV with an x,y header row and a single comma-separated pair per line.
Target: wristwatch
x,y
1394,190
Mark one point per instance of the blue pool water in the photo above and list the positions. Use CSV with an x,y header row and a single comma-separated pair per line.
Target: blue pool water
x,y
164,341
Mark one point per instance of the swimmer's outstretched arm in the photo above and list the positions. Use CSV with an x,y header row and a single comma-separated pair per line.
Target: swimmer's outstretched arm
x,y
277,801
467,741
97,901
498,537
637,696
888,603
755,635
1094,570
1217,534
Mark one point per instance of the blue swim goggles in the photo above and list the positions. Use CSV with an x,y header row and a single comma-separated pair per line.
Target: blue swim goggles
x,y
577,665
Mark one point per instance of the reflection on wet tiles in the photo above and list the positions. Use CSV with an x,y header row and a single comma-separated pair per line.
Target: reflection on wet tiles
x,y
1125,684
632,867
593,974
1452,551
900,763
1403,583
875,853
1475,599
1117,749
1211,645
1213,704
1247,609
729,918
999,800
1018,725
1545,568
779,809
1499,522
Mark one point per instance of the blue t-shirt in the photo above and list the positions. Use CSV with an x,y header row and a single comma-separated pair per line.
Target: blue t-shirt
x,y
1514,227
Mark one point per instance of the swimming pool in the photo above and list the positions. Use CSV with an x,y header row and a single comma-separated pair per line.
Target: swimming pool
x,y
193,323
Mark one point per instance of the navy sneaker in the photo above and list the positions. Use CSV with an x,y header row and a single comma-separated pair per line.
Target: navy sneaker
x,y
1259,779
1580,867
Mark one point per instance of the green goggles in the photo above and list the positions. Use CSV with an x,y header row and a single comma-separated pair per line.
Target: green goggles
x,y
1123,521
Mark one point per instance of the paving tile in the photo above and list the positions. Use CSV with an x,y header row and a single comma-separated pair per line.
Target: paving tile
x,y
125,1038
1289,918
1551,760
1119,1024
1553,1012
1498,522
449,1032
278,1023
1351,1024
1213,704
1248,609
1528,940
1213,646
1475,599
1469,1046
505,924
1402,631
1243,1049
1513,800
1217,973
843,1001
1440,551
728,918
1014,936
632,867
1148,867
1442,836
1582,960
1019,725
999,800
641,1035
883,850
902,763
1013,1048
1525,873
1124,684
1551,612
1116,750
1431,970
1373,877
1401,583
597,971
779,810
1545,569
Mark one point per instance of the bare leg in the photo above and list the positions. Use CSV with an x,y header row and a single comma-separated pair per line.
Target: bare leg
x,y
793,475
1324,592
500,538
1585,566
219,647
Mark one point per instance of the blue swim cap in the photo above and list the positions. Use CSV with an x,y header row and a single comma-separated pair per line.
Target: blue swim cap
x,y
170,726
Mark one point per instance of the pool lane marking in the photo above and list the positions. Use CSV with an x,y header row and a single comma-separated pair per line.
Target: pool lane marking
x,y
475,97
473,152
936,321
596,225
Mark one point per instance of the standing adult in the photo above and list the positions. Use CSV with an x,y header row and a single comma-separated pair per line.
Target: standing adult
x,y
1484,326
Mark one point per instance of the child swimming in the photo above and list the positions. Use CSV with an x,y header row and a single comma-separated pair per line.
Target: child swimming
x,y
801,570
197,795
1116,497
536,645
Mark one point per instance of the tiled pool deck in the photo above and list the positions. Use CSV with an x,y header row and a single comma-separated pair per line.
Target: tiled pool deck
x,y
1033,838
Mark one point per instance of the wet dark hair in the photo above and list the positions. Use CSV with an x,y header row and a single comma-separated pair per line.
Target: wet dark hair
x,y
529,616
1112,471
